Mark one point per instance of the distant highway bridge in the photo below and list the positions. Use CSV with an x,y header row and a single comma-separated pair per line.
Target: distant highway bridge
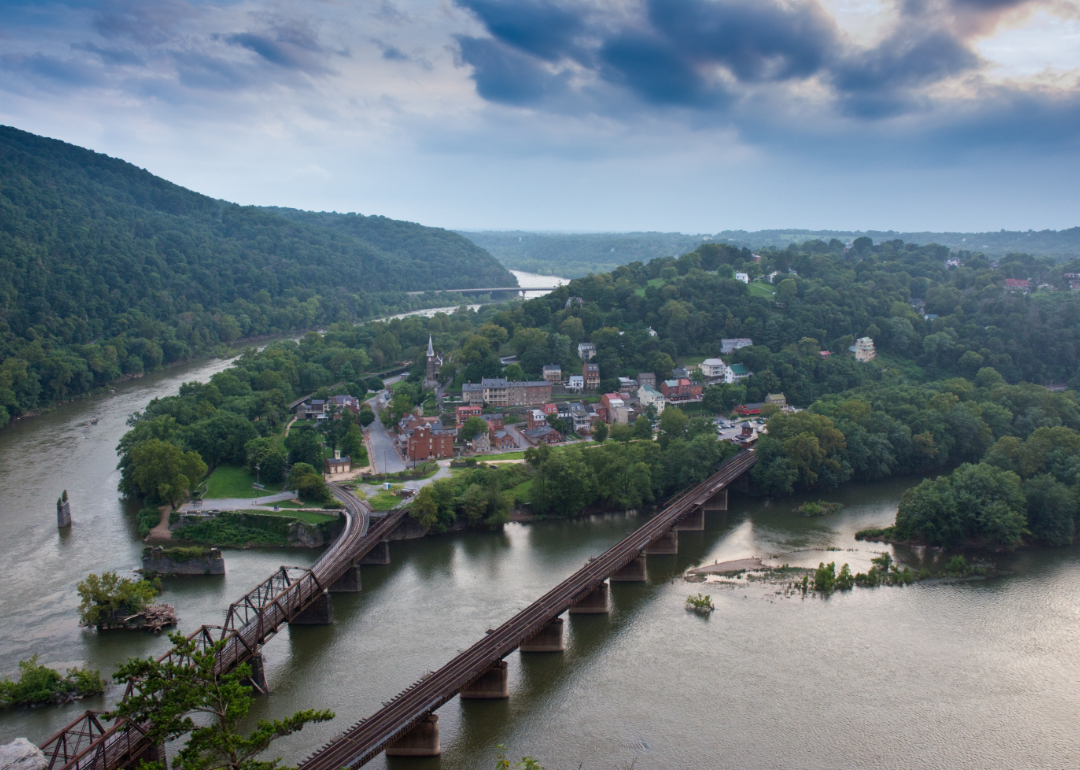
x,y
485,291
407,725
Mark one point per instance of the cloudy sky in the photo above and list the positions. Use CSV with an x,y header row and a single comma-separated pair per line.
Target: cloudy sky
x,y
690,115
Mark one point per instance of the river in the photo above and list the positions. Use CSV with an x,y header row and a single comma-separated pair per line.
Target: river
x,y
525,280
980,674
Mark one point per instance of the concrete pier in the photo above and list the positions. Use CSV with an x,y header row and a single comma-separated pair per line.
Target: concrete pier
x,y
421,741
348,583
692,522
258,675
634,572
319,613
380,554
548,639
668,543
63,512
494,684
598,602
717,502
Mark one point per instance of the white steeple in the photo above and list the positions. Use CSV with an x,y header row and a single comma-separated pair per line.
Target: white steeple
x,y
430,348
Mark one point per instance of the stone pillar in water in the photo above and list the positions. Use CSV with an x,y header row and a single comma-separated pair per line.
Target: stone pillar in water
x,y
319,613
63,512
493,684
547,639
596,602
421,741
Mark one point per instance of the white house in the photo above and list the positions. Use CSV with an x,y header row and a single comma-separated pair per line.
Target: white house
x,y
647,395
586,351
863,349
730,345
744,277
714,369
576,383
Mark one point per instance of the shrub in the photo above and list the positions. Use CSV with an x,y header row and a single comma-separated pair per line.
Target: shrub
x,y
148,518
39,685
825,577
957,566
105,599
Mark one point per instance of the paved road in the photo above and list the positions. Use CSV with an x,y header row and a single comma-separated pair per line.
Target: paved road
x,y
237,503
384,454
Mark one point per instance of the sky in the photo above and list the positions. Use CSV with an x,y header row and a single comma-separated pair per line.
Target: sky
x,y
595,115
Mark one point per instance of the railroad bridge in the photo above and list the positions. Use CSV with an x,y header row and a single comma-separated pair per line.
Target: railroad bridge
x,y
407,725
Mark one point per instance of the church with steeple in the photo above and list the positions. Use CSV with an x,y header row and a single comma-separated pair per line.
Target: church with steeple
x,y
431,374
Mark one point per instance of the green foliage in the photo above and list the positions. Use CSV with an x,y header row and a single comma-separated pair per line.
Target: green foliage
x,y
526,763
957,566
268,455
472,427
104,600
162,471
309,483
184,695
238,529
825,577
479,496
304,445
600,432
975,504
701,604
148,518
38,685
820,508
107,271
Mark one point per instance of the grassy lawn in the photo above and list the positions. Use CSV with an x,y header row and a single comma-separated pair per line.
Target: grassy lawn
x,y
761,289
396,385
640,291
383,501
693,360
293,505
308,517
229,480
521,491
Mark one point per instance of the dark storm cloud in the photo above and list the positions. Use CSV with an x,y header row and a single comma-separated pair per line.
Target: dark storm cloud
x,y
292,46
708,54
506,75
540,28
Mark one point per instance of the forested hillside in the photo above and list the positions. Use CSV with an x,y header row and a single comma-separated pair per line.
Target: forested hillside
x,y
574,255
107,270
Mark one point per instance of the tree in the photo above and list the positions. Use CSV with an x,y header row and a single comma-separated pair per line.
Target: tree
x,y
673,424
560,424
169,692
304,445
161,470
514,373
265,453
600,432
352,444
107,598
367,416
643,429
309,483
473,427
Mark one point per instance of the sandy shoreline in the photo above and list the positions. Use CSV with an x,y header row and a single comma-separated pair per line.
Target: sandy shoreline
x,y
737,565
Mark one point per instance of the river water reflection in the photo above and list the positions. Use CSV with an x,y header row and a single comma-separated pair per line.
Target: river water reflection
x,y
981,674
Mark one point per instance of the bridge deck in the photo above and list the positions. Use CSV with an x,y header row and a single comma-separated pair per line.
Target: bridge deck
x,y
483,290
366,739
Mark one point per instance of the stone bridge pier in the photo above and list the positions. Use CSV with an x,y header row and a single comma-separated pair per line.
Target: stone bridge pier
x,y
547,639
319,613
421,741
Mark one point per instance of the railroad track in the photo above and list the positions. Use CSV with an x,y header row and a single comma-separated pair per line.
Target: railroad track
x,y
369,737
87,744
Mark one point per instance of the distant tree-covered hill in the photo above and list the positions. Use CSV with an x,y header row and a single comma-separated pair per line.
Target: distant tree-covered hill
x,y
574,255
107,270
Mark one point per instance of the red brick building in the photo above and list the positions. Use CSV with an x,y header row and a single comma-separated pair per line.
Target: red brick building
x,y
495,422
537,418
427,442
591,374
465,412
500,439
681,390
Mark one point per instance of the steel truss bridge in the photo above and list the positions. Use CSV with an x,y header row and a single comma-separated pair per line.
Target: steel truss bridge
x,y
87,744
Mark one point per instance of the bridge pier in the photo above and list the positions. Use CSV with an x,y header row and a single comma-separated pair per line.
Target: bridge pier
x,y
634,572
692,522
717,502
348,583
493,684
667,543
547,639
421,741
319,613
596,602
380,554
257,680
